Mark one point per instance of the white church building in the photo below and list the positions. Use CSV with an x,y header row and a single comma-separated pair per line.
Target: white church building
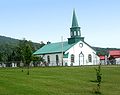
x,y
73,52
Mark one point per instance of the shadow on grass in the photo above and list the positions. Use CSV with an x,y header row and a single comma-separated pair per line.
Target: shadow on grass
x,y
95,81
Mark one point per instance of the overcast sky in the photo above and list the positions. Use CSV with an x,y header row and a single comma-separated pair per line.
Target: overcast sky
x,y
48,20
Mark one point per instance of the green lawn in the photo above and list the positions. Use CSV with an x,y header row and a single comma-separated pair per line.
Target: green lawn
x,y
58,81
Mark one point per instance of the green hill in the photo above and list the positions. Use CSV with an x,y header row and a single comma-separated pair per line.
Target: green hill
x,y
8,46
103,51
7,41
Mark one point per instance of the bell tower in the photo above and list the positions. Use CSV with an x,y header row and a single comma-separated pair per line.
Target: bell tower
x,y
75,33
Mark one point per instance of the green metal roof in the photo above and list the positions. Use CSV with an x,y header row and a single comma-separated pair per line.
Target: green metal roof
x,y
74,20
54,48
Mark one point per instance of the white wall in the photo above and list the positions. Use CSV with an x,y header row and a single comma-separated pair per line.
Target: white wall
x,y
76,50
117,60
86,50
53,59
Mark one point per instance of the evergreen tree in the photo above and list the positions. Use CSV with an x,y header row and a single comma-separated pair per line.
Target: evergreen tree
x,y
27,56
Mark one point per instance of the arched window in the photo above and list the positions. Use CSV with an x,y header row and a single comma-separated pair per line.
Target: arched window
x,y
78,33
57,59
89,58
75,33
72,58
71,33
48,59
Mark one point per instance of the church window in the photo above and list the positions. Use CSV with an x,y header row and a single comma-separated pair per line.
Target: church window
x,y
71,33
48,59
57,59
81,45
74,33
89,58
78,33
72,58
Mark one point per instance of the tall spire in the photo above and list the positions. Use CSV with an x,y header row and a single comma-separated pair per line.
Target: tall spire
x,y
74,20
75,32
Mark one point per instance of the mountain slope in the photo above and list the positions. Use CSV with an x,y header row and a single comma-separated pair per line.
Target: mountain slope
x,y
8,40
11,42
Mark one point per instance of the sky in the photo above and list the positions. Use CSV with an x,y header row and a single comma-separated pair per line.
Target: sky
x,y
49,20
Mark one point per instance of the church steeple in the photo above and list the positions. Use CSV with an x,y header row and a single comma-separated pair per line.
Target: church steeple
x,y
75,33
75,29
74,20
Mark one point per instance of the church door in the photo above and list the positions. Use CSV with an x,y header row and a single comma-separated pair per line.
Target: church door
x,y
81,59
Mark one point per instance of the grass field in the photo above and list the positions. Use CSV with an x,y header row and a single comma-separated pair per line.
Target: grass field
x,y
58,81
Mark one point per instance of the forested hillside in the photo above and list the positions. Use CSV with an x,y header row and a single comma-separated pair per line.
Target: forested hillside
x,y
103,51
10,47
7,41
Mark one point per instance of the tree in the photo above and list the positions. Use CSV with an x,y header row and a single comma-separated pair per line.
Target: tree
x,y
12,50
19,55
98,79
37,60
27,56
0,58
6,51
24,53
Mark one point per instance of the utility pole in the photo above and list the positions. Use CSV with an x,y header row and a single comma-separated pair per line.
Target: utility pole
x,y
62,48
